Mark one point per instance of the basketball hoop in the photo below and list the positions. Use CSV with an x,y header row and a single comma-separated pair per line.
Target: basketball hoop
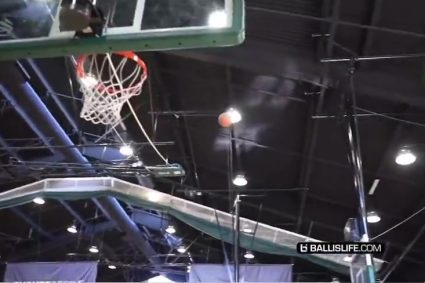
x,y
108,81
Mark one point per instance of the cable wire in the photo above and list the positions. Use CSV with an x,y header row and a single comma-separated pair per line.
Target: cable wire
x,y
398,224
134,112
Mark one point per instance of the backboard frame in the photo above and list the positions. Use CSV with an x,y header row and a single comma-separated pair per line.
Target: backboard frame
x,y
127,38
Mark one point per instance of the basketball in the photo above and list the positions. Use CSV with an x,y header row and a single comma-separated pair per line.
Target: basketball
x,y
225,120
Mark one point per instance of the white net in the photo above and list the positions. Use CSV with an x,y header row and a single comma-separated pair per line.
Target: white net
x,y
107,82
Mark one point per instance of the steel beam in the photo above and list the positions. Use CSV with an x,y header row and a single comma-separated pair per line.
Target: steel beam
x,y
291,63
32,223
111,208
313,127
74,213
339,22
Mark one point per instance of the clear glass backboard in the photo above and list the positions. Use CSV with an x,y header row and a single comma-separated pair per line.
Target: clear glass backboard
x,y
32,28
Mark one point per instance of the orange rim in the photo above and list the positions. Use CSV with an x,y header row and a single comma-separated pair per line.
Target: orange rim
x,y
81,73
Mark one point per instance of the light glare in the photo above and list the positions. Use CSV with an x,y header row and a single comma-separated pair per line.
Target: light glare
x,y
170,229
93,250
181,249
240,180
154,196
126,150
217,19
373,217
89,81
405,157
235,115
72,229
249,255
38,200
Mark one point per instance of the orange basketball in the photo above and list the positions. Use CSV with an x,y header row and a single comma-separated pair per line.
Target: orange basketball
x,y
225,120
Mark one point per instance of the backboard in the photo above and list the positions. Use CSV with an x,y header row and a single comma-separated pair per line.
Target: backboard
x,y
360,271
31,28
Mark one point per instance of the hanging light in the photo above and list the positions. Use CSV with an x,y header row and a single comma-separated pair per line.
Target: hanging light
x,y
373,217
93,249
405,157
39,200
249,255
170,229
111,266
181,249
230,117
72,229
217,19
240,180
347,258
126,150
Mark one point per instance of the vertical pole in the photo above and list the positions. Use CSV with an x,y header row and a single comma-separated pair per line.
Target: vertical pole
x,y
352,132
236,237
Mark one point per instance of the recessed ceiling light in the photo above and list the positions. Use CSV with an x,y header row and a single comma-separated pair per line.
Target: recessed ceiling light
x,y
93,249
249,255
405,157
217,19
373,217
39,200
240,180
126,150
111,266
170,229
72,229
181,249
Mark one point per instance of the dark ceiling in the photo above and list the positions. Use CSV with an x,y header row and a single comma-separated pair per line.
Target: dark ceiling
x,y
290,136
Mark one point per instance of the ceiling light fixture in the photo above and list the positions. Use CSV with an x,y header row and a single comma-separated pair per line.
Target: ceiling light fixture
x,y
373,217
93,249
111,266
347,258
405,157
126,150
229,118
170,229
72,229
181,249
249,255
240,180
39,200
217,19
